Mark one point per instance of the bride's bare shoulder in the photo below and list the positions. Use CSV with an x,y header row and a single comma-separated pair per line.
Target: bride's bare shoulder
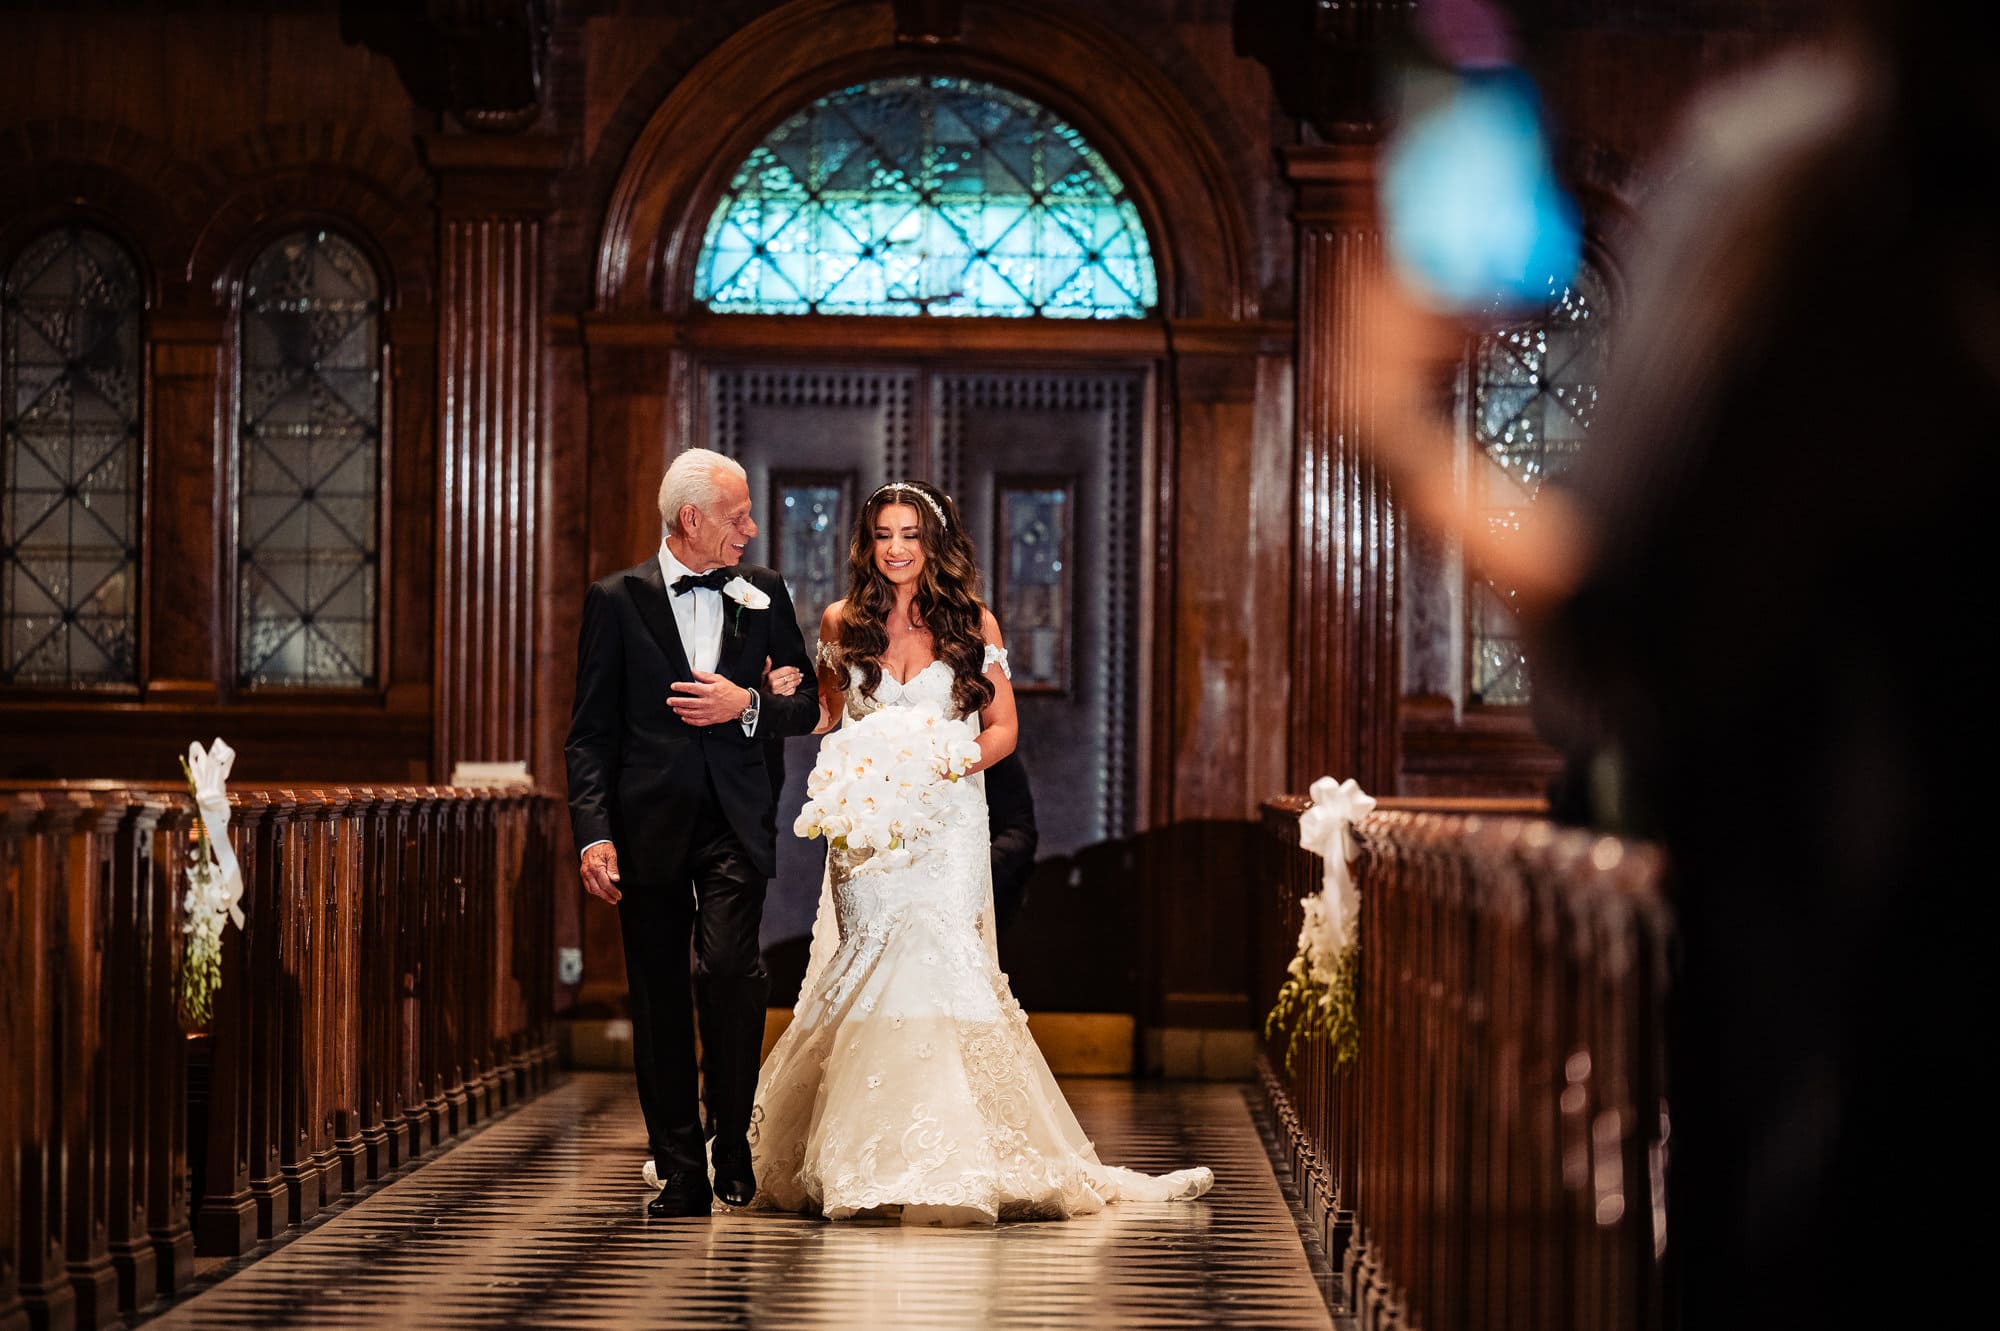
x,y
829,621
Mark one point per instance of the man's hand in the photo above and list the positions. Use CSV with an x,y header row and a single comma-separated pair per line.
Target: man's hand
x,y
600,872
782,682
709,701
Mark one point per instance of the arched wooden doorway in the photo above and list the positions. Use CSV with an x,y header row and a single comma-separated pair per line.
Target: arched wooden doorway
x,y
1022,418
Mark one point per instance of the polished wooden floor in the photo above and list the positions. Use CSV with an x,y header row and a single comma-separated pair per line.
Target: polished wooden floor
x,y
539,1221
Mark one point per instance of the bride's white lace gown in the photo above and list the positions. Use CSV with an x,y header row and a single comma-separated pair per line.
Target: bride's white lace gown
x,y
907,1083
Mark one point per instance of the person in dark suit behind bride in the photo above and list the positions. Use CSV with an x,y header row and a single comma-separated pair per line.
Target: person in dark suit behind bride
x,y
1010,820
673,807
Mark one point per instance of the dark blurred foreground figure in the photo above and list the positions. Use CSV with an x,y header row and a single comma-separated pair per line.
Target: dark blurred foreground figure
x,y
1749,626
1010,817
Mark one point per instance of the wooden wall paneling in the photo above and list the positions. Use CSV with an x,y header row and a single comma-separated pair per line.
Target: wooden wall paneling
x,y
632,371
186,604
494,197
1216,671
1199,957
1344,584
565,557
410,555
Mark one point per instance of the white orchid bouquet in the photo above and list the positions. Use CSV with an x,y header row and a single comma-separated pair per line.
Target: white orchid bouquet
x,y
1317,998
879,789
215,882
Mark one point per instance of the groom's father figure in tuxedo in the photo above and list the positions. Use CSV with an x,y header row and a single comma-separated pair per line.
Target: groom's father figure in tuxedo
x,y
671,804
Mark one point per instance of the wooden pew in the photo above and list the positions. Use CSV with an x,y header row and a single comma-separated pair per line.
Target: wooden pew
x,y
1495,1155
391,987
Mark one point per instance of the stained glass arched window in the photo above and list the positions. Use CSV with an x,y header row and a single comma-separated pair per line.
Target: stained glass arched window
x,y
1534,392
69,462
309,446
925,195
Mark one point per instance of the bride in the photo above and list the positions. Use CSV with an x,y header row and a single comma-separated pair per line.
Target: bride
x,y
907,1084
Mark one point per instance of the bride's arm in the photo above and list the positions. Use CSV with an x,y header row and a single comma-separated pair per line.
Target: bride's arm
x,y
832,683
999,728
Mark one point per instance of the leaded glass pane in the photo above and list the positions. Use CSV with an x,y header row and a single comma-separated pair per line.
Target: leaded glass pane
x,y
811,550
309,447
1534,394
921,195
69,462
1032,600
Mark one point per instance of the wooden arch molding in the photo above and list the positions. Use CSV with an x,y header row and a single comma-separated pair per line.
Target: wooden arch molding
x,y
329,173
681,161
105,176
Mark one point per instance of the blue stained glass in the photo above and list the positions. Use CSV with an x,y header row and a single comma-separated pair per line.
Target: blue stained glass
x,y
922,195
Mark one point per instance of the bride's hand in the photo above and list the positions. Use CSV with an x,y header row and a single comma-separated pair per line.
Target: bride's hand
x,y
782,682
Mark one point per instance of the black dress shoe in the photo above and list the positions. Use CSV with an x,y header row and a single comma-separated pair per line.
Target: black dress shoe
x,y
685,1194
735,1184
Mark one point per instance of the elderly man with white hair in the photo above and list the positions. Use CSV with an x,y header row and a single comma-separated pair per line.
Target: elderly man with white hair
x,y
673,809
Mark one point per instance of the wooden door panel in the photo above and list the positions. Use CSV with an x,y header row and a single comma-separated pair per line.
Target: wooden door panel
x,y
1061,447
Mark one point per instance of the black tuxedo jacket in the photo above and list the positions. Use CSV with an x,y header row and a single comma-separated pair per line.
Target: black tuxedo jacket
x,y
637,772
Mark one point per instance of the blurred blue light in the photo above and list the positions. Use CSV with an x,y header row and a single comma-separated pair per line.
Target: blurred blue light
x,y
1473,210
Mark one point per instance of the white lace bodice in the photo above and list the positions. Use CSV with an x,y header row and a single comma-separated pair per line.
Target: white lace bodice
x,y
930,686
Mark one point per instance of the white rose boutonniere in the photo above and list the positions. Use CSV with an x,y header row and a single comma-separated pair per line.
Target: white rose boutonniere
x,y
747,597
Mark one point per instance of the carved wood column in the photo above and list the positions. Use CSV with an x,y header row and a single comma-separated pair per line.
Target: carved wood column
x,y
494,197
1344,672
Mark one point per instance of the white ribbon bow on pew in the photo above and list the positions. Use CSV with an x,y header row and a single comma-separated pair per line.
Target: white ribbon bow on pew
x,y
1326,828
209,771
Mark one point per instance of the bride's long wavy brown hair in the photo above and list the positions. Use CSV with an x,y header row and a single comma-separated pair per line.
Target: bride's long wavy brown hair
x,y
947,599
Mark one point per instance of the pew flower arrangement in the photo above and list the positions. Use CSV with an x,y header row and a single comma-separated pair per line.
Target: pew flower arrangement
x,y
1317,998
877,791
215,883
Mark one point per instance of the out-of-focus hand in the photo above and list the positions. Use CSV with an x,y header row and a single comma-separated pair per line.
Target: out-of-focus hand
x,y
600,872
1406,355
782,682
709,701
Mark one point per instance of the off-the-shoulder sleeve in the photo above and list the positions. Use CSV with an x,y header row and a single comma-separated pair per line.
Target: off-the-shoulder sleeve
x,y
823,653
996,656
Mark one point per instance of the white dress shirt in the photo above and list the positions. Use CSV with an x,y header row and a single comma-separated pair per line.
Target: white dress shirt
x,y
698,616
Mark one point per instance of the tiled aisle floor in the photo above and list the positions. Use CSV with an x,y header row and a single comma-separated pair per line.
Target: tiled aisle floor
x,y
539,1221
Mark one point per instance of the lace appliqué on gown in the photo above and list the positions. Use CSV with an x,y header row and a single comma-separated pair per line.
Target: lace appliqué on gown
x,y
907,1083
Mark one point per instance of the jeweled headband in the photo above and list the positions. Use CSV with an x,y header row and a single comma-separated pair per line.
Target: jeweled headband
x,y
901,487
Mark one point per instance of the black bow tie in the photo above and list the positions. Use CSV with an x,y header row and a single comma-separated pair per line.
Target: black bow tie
x,y
713,580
